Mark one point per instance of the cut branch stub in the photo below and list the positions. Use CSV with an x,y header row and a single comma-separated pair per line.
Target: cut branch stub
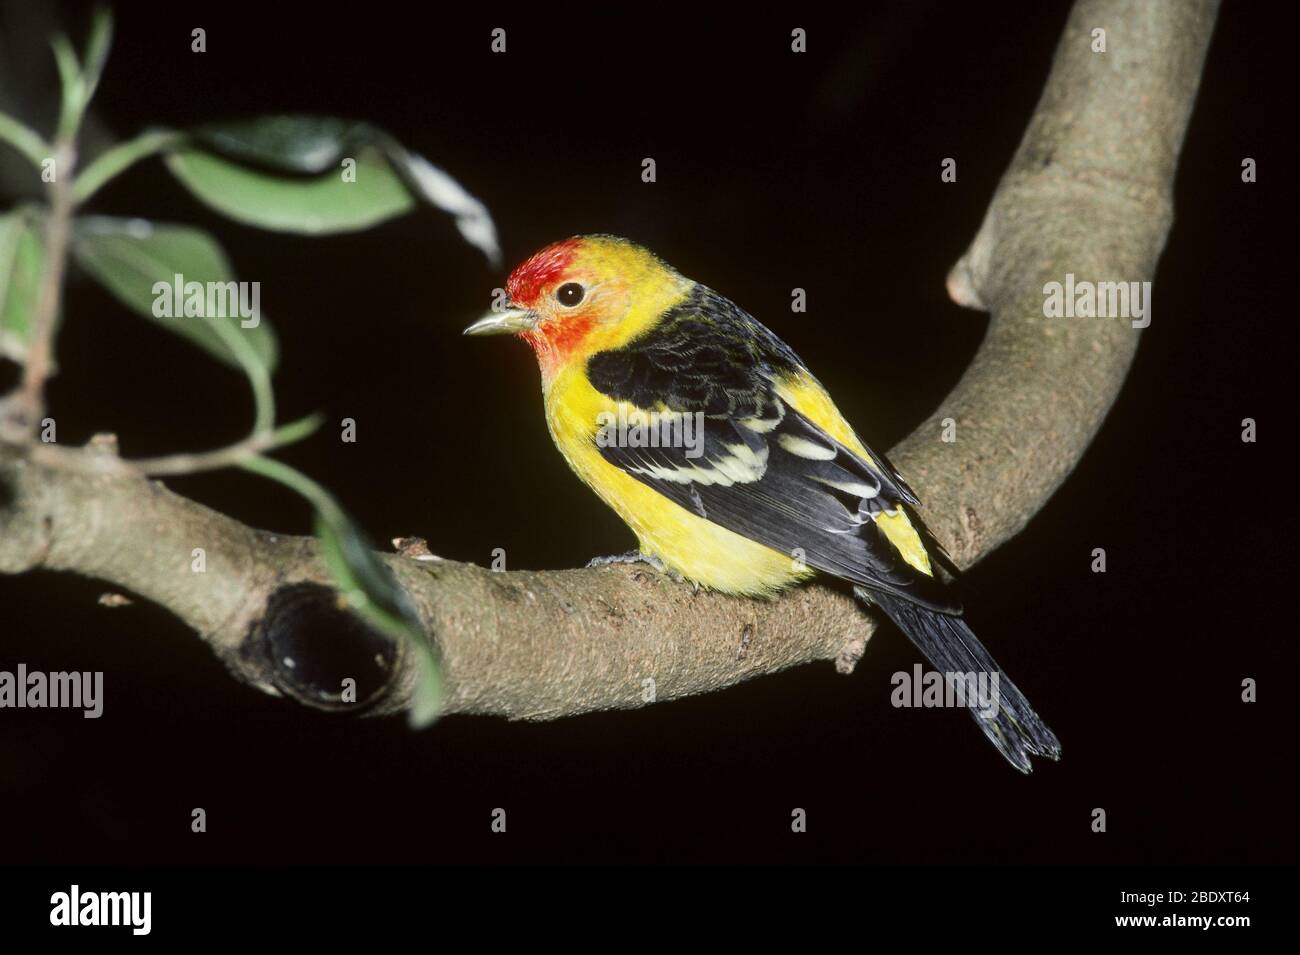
x,y
318,652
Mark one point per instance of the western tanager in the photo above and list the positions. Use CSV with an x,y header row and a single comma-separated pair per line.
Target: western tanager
x,y
729,460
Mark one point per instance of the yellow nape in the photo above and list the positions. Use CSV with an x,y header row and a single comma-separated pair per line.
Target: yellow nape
x,y
613,269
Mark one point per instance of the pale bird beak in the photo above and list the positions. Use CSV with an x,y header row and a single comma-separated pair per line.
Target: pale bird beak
x,y
509,321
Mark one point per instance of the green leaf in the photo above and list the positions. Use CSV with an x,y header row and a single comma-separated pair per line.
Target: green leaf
x,y
370,590
365,583
316,146
316,206
293,144
138,261
27,141
21,260
73,84
101,38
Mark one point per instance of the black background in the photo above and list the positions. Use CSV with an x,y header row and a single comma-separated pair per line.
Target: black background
x,y
774,171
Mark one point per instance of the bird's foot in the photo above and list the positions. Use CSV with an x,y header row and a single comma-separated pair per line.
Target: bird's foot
x,y
637,557
631,557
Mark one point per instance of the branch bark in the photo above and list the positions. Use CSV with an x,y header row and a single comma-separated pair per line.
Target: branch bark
x,y
1088,192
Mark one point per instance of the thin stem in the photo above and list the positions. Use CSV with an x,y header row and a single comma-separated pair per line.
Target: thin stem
x,y
171,465
119,158
237,453
36,371
295,480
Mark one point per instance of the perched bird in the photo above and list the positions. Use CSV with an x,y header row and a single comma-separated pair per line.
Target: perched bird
x,y
747,479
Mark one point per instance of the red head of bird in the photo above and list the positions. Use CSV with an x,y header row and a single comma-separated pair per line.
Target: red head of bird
x,y
583,295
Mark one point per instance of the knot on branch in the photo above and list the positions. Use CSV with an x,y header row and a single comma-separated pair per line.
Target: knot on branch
x,y
311,648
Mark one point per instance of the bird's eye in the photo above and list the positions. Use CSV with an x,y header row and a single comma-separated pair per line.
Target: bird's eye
x,y
569,294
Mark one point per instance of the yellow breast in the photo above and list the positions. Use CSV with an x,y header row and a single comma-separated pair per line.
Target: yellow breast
x,y
698,549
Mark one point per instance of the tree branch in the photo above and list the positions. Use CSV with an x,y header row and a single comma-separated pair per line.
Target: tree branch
x,y
1088,192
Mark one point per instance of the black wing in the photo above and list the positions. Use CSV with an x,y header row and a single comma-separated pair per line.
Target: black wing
x,y
758,467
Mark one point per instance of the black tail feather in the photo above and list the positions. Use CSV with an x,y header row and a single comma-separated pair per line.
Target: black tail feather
x,y
950,646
